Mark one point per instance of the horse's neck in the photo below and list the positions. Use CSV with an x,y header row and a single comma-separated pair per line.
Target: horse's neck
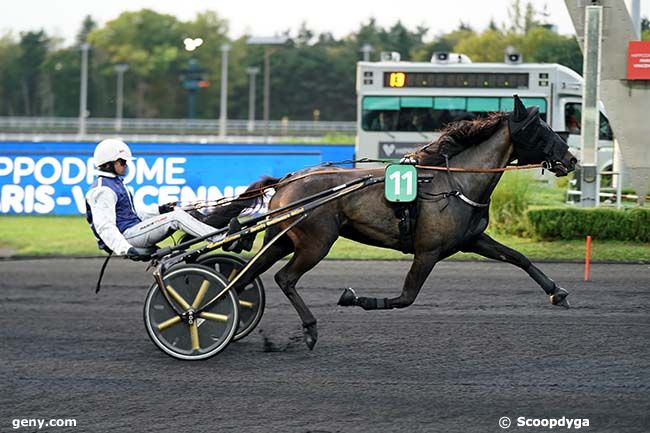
x,y
492,153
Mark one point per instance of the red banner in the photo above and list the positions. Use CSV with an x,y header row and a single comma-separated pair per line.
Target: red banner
x,y
638,61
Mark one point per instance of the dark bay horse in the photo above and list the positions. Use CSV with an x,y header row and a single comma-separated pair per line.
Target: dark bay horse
x,y
452,209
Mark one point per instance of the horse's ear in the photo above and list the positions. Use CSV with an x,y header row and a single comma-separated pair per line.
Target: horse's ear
x,y
520,112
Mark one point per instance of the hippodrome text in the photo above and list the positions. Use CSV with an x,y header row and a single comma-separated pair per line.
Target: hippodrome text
x,y
36,183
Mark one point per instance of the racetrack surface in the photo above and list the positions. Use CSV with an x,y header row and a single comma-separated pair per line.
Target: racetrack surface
x,y
480,342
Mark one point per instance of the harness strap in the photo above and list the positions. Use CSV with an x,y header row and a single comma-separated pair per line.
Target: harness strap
x,y
101,272
467,200
407,214
458,192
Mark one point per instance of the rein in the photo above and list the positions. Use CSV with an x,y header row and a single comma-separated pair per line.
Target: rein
x,y
254,193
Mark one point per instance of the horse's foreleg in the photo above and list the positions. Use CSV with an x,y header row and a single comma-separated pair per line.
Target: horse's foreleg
x,y
302,261
420,269
488,247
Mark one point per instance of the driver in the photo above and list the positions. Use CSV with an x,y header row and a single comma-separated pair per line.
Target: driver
x,y
117,225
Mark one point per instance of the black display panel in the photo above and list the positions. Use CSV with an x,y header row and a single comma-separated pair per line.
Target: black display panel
x,y
499,80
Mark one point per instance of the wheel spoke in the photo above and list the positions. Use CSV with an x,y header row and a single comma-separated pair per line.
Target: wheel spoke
x,y
200,294
194,333
213,316
167,323
246,304
178,298
233,274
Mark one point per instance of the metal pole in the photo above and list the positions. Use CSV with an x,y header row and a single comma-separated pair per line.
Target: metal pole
x,y
223,118
252,72
366,49
590,110
83,94
635,13
267,89
119,100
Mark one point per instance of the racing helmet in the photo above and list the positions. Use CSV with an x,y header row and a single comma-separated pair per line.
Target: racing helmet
x,y
110,150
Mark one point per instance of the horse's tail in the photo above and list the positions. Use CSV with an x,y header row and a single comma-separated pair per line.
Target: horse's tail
x,y
220,216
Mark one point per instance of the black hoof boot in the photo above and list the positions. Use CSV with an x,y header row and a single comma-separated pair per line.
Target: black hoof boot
x,y
348,298
310,334
559,298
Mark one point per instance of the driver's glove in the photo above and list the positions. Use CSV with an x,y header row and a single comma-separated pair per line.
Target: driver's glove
x,y
166,208
139,254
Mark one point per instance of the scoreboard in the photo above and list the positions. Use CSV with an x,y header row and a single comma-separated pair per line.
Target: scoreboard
x,y
399,79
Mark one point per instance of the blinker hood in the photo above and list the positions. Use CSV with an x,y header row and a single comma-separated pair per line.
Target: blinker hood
x,y
521,116
526,134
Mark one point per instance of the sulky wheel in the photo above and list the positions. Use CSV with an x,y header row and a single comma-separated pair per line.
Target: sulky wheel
x,y
251,297
192,336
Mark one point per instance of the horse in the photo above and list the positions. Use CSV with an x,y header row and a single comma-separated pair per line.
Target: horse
x,y
452,209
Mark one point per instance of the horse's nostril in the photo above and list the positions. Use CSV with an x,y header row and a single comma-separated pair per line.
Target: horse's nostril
x,y
574,161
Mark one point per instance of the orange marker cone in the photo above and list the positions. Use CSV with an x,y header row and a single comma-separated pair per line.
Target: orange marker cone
x,y
587,258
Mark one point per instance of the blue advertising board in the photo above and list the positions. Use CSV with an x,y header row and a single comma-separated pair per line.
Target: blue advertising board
x,y
53,177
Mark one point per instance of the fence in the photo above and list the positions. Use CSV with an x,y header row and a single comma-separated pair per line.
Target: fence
x,y
286,128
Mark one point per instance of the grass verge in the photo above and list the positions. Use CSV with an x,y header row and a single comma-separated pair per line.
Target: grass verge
x,y
70,236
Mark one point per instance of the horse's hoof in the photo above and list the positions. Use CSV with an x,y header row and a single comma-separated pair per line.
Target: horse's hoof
x,y
310,335
559,298
348,298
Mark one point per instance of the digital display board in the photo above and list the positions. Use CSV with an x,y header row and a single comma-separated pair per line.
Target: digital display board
x,y
398,79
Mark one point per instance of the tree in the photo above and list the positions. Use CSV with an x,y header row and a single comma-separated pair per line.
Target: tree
x,y
444,43
87,26
10,52
33,50
488,46
149,42
545,46
62,67
522,19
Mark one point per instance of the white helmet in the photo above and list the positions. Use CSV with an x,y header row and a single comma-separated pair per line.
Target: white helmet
x,y
110,150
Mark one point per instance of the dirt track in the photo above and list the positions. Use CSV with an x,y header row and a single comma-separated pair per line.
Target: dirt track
x,y
481,342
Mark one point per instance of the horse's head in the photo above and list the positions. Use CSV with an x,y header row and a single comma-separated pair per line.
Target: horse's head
x,y
535,142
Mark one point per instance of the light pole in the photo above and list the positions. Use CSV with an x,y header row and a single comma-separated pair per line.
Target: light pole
x,y
366,49
83,94
192,78
120,68
223,115
268,43
252,72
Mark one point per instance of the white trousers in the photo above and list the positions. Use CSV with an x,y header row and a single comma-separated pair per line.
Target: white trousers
x,y
149,232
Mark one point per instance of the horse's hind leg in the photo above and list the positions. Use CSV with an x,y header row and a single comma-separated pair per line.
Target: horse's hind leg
x,y
420,269
307,255
488,247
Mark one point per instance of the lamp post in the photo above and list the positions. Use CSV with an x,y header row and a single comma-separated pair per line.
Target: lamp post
x,y
269,44
223,115
252,72
366,49
120,68
83,94
192,77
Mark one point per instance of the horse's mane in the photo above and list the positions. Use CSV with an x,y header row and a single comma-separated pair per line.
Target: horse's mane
x,y
457,137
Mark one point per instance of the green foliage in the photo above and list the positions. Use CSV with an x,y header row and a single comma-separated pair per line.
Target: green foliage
x,y
10,99
600,223
444,42
312,72
545,46
509,202
70,236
